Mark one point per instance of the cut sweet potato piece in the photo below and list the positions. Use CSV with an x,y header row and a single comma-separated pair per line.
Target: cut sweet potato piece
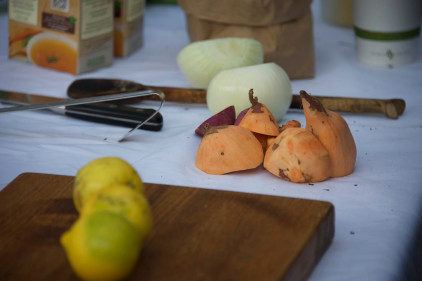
x,y
223,118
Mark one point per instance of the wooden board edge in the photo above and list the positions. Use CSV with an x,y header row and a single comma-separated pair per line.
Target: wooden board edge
x,y
315,249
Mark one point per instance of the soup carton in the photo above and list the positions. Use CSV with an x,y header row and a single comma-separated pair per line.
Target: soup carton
x,y
65,35
128,26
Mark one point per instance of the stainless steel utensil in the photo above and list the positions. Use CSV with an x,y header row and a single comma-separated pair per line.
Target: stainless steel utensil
x,y
75,107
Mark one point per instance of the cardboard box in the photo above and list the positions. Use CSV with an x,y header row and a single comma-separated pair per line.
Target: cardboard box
x,y
128,26
73,36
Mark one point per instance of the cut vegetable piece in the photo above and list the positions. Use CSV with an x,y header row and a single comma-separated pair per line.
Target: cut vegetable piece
x,y
333,132
259,119
297,155
225,117
240,116
200,61
228,149
263,140
290,124
270,83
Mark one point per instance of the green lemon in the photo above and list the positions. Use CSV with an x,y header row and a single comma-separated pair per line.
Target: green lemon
x,y
124,201
102,246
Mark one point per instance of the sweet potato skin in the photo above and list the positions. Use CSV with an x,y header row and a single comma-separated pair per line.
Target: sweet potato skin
x,y
226,116
240,116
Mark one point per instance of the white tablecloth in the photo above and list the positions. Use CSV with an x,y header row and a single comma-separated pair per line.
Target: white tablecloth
x,y
378,207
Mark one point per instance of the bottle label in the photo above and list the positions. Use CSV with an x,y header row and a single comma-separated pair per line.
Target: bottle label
x,y
386,36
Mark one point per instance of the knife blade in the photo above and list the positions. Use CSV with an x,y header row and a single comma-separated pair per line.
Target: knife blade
x,y
89,109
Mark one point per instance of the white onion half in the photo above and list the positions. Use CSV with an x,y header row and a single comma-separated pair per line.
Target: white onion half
x,y
200,61
269,82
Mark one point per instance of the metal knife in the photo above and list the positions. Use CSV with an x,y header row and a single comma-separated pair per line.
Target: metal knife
x,y
95,110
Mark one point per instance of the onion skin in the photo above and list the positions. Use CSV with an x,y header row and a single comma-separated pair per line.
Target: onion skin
x,y
270,82
200,61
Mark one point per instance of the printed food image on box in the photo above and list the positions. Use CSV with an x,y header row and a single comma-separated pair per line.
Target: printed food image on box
x,y
128,26
65,35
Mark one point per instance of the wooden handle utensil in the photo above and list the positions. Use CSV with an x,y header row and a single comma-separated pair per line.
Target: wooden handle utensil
x,y
83,88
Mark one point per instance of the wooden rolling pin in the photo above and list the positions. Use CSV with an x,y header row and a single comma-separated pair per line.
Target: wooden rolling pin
x,y
83,88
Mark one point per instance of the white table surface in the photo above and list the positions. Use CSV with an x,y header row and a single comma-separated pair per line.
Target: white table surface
x,y
378,207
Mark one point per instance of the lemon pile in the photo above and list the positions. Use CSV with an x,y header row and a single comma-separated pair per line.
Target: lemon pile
x,y
115,220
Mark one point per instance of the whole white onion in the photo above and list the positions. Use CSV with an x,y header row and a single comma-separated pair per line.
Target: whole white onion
x,y
269,82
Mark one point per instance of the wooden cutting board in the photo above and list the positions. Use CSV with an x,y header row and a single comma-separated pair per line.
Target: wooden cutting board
x,y
199,234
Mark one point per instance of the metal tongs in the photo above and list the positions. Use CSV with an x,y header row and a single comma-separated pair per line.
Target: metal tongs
x,y
96,99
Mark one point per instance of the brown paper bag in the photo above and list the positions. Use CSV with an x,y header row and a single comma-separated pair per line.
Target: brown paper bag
x,y
284,28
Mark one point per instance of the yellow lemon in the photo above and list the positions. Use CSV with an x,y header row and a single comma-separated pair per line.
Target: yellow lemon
x,y
103,172
124,201
102,246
